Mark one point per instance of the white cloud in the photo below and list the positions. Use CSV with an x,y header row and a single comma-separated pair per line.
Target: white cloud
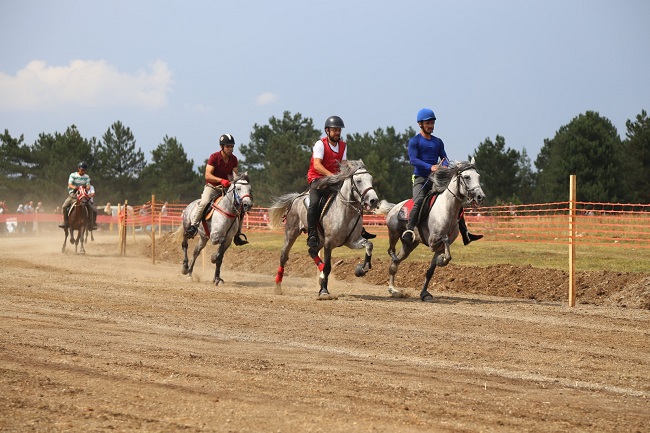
x,y
84,83
266,98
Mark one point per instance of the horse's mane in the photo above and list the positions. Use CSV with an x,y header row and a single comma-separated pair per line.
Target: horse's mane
x,y
346,170
441,177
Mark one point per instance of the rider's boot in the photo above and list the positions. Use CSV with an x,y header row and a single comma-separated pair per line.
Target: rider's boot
x,y
366,235
312,221
240,239
192,231
409,235
65,218
467,236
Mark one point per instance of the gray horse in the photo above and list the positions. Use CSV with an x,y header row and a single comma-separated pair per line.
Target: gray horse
x,y
222,227
454,186
341,221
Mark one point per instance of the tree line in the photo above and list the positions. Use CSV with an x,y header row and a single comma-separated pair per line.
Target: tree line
x,y
609,168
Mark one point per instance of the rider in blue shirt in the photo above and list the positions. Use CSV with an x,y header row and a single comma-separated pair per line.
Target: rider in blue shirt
x,y
427,154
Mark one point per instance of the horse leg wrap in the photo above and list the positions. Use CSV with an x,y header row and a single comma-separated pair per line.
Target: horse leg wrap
x,y
319,263
279,275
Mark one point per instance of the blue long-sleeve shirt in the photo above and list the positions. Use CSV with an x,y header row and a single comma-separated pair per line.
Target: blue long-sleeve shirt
x,y
424,153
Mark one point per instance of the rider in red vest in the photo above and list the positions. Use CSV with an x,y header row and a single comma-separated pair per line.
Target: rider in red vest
x,y
327,153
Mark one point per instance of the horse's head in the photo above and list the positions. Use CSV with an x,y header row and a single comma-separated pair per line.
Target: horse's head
x,y
469,182
82,195
361,181
241,187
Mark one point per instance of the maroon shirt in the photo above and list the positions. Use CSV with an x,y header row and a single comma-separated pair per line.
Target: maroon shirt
x,y
222,168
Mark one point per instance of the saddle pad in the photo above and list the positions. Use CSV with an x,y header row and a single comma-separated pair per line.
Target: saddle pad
x,y
405,211
211,208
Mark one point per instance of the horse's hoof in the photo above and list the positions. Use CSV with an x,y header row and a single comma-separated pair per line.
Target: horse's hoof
x,y
395,293
218,280
426,297
359,271
324,295
278,289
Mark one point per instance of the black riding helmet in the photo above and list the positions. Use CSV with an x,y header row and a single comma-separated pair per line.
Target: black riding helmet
x,y
226,139
334,122
82,165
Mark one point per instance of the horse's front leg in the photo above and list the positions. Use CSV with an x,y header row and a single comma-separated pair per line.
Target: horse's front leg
x,y
442,259
81,238
425,296
362,269
217,259
325,273
65,240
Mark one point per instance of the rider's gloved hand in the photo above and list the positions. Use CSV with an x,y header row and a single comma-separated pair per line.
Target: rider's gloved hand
x,y
225,183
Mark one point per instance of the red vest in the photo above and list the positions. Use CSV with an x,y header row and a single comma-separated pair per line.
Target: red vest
x,y
330,160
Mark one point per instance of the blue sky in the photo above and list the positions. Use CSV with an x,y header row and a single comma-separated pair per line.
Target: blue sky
x,y
196,69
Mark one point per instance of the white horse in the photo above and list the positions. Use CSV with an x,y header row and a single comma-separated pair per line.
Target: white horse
x,y
225,213
341,221
454,185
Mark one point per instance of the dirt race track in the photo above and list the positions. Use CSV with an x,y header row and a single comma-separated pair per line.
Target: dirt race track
x,y
101,343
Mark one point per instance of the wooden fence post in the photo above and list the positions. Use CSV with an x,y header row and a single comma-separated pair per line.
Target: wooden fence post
x,y
572,240
153,229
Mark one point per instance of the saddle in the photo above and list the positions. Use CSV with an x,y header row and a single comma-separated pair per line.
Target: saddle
x,y
405,212
210,208
429,200
325,202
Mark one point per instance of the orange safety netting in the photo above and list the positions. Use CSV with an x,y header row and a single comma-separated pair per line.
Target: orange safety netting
x,y
589,223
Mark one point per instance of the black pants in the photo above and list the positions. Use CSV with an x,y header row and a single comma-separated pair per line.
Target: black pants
x,y
315,196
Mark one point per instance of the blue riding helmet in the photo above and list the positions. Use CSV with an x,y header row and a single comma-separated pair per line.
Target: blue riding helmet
x,y
426,114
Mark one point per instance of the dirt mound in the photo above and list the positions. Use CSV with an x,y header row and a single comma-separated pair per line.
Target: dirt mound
x,y
603,288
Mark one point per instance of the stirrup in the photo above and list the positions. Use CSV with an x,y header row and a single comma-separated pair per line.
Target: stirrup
x,y
366,235
239,241
63,226
191,232
408,236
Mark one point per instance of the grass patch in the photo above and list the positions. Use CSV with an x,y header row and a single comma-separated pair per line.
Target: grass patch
x,y
486,253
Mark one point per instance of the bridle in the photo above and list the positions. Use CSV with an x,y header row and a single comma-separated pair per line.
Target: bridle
x,y
82,196
470,192
237,201
356,190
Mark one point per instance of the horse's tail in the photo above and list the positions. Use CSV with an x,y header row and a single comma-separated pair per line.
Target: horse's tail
x,y
177,235
384,207
280,208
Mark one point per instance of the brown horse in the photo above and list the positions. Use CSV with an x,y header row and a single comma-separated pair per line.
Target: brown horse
x,y
78,217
